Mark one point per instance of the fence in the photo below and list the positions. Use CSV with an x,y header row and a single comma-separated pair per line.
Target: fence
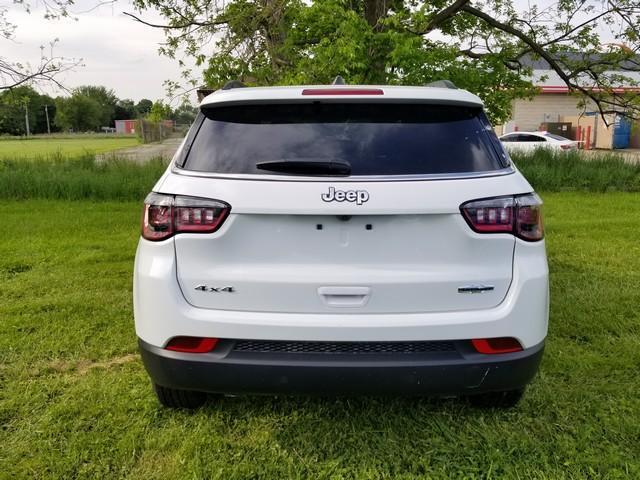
x,y
155,132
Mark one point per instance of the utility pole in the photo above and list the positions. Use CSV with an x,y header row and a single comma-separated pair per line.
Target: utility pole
x,y
26,117
46,113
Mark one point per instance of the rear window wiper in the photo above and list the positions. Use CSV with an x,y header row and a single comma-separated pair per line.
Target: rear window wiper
x,y
307,166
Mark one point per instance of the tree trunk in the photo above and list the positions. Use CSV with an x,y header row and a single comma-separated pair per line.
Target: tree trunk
x,y
374,11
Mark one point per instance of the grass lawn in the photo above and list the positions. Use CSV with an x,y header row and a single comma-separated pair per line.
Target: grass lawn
x,y
75,401
43,147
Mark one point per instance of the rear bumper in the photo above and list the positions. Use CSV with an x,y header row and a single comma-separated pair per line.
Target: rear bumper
x,y
463,372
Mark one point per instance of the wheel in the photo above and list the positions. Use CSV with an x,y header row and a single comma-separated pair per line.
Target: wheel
x,y
172,398
504,399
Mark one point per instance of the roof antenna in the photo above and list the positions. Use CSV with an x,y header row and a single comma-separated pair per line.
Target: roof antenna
x,y
339,81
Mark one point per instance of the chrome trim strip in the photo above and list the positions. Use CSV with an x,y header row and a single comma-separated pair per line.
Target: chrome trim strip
x,y
475,288
364,178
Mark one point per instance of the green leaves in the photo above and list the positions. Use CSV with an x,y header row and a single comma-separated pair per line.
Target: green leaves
x,y
159,112
478,46
16,102
79,113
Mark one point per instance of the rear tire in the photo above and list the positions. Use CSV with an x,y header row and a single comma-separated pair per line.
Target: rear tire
x,y
505,399
172,398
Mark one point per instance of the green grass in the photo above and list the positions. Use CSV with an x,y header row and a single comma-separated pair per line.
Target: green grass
x,y
75,401
569,171
42,147
79,178
61,135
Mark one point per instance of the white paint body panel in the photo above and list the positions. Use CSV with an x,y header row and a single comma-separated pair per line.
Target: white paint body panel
x,y
162,312
408,263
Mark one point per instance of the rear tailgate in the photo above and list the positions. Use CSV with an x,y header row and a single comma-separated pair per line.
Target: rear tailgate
x,y
283,249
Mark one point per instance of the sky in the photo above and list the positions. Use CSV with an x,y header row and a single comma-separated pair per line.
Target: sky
x,y
116,51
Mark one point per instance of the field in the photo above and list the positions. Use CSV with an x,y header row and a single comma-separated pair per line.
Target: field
x,y
75,401
63,146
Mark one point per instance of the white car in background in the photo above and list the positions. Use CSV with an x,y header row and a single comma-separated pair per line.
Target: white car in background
x,y
529,141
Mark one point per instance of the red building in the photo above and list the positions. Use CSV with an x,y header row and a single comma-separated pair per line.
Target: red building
x,y
126,126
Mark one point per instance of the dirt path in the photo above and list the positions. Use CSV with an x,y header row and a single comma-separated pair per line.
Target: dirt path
x,y
143,153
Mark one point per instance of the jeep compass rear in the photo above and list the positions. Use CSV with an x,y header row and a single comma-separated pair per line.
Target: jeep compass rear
x,y
341,239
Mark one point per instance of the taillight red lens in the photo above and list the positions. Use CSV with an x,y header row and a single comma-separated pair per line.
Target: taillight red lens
x,y
166,215
496,345
529,225
492,215
519,215
157,218
199,215
192,344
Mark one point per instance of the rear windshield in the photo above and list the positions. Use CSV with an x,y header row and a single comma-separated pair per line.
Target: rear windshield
x,y
374,139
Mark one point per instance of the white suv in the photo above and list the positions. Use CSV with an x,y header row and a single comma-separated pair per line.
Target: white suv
x,y
341,239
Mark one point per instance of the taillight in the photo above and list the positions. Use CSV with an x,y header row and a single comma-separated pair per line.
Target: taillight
x,y
528,218
492,346
192,344
519,215
166,215
342,91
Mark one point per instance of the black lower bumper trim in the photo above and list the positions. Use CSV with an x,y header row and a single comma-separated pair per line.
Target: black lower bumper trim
x,y
223,371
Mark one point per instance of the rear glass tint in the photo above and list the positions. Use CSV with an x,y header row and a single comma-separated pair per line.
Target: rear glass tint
x,y
375,139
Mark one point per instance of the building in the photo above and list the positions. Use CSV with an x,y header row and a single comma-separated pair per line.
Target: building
x,y
555,104
127,127
130,127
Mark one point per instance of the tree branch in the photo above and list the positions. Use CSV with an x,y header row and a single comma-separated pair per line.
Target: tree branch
x,y
188,24
444,15
553,63
531,43
14,74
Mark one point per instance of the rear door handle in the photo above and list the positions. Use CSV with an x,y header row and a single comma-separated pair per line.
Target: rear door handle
x,y
345,296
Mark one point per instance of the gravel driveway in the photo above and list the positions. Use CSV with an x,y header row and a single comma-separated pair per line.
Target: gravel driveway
x,y
142,153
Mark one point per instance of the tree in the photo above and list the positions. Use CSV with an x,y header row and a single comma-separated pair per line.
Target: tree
x,y
16,102
184,114
104,97
79,113
159,111
144,106
14,73
125,110
478,45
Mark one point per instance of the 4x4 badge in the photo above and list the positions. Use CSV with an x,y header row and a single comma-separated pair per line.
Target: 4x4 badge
x,y
207,288
358,196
